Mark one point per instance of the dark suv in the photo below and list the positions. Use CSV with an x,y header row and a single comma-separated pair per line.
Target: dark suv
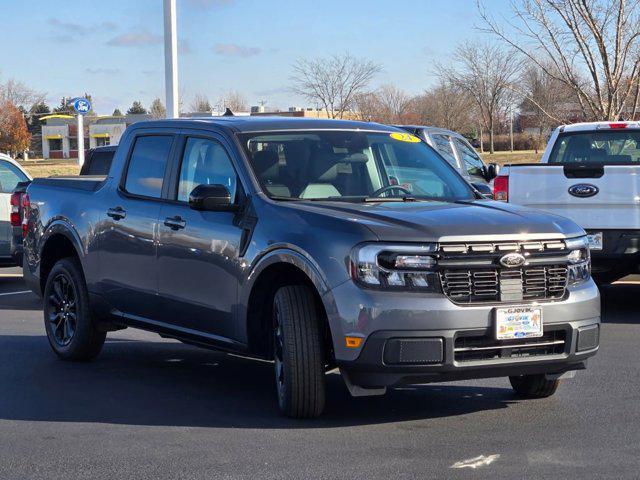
x,y
316,244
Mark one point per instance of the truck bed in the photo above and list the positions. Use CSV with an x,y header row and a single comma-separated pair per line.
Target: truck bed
x,y
88,183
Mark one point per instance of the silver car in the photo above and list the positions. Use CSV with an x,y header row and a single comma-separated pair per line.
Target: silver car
x,y
458,152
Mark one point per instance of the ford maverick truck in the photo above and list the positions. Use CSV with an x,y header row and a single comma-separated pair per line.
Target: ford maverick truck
x,y
318,245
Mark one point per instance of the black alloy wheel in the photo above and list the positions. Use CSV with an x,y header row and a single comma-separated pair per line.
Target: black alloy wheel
x,y
62,310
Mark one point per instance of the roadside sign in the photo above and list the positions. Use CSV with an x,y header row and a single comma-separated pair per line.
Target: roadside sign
x,y
82,106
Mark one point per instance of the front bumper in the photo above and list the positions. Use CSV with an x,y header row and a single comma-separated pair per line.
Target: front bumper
x,y
378,317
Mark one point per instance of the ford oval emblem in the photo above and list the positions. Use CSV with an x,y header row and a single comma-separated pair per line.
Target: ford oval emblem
x,y
512,260
583,190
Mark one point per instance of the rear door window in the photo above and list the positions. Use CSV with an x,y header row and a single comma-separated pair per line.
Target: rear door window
x,y
147,165
442,144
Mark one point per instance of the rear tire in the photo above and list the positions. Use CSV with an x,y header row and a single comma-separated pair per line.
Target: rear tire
x,y
534,386
298,353
70,327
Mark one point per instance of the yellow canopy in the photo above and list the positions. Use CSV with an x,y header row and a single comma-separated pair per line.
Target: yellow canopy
x,y
57,136
47,117
100,135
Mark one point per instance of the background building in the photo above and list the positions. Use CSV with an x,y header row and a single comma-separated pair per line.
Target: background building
x,y
60,133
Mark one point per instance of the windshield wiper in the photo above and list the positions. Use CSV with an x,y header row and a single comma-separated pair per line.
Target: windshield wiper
x,y
391,199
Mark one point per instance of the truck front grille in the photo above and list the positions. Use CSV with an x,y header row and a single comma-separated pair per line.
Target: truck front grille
x,y
485,347
472,273
504,285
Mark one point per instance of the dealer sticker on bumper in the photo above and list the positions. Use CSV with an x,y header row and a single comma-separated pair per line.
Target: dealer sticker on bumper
x,y
595,240
518,322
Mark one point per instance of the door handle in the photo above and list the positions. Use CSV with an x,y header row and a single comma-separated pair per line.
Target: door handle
x,y
117,213
175,223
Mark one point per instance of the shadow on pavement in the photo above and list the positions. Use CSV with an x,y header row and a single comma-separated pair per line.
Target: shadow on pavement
x,y
166,383
621,303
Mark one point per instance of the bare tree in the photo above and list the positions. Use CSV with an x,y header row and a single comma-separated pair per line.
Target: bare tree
x,y
157,109
591,46
395,104
446,106
333,82
486,73
19,94
234,101
546,102
200,103
367,106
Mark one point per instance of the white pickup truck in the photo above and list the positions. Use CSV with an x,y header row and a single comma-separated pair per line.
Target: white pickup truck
x,y
589,172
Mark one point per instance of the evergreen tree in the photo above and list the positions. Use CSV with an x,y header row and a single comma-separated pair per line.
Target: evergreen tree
x,y
136,109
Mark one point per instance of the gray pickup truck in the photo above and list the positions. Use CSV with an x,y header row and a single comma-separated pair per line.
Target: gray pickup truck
x,y
294,240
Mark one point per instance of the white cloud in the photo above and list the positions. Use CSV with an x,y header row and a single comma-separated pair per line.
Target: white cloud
x,y
235,50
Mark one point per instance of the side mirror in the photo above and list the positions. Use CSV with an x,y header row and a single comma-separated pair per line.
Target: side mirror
x,y
493,169
213,198
483,189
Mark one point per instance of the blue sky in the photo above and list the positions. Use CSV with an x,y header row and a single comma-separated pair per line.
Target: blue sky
x,y
113,49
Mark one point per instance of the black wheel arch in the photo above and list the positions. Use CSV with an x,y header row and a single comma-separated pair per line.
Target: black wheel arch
x,y
59,241
278,269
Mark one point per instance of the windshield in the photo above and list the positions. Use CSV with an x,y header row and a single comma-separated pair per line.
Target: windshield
x,y
608,146
351,166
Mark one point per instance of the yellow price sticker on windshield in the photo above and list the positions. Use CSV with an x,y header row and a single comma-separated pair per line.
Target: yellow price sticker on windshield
x,y
404,137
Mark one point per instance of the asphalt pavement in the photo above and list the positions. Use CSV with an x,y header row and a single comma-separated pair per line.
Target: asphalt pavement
x,y
155,408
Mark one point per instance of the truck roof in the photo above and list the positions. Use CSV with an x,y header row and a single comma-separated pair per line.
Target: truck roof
x,y
261,124
588,126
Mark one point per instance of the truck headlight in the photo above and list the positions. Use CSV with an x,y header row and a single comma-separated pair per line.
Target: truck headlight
x,y
393,266
579,260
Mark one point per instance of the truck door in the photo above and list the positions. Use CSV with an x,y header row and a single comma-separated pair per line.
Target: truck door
x,y
128,234
198,252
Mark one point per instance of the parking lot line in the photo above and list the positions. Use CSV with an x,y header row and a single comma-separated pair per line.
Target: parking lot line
x,y
14,293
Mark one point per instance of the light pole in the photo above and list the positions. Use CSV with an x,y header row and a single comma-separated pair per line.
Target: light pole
x,y
80,137
511,126
171,59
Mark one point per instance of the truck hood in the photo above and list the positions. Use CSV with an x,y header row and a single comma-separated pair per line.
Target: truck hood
x,y
480,220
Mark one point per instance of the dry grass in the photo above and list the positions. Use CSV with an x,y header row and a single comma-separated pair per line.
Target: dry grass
x,y
523,156
46,169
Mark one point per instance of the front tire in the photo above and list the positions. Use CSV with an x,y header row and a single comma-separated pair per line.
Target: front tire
x,y
298,353
534,386
69,324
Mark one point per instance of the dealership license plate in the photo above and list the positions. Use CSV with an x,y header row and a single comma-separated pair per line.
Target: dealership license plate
x,y
518,322
595,240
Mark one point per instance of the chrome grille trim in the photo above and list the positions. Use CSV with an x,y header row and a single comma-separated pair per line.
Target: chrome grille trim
x,y
479,347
